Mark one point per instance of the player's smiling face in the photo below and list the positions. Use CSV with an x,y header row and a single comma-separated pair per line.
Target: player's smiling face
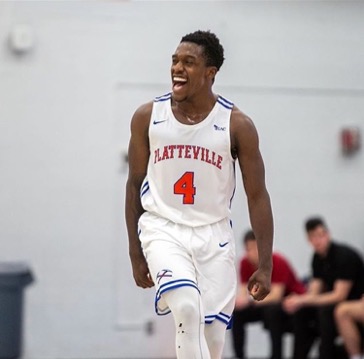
x,y
189,71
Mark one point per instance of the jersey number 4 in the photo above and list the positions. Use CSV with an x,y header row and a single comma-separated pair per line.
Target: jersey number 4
x,y
184,186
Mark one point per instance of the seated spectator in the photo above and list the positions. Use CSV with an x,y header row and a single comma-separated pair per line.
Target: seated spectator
x,y
338,275
269,310
349,318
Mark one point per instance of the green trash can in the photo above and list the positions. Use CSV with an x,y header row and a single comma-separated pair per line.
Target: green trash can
x,y
14,276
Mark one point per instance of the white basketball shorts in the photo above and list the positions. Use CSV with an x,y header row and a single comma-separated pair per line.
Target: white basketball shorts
x,y
201,257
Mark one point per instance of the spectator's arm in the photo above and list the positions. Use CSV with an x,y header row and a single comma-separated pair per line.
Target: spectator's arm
x,y
339,293
293,302
315,286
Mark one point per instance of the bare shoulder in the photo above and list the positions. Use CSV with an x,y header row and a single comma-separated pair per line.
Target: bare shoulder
x,y
138,151
142,115
242,130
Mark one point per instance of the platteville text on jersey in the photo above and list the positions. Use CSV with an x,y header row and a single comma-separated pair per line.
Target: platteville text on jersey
x,y
188,151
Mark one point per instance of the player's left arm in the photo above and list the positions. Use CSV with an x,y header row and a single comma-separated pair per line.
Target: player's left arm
x,y
245,147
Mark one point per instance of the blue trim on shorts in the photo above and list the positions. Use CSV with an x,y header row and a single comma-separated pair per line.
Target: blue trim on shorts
x,y
169,286
221,316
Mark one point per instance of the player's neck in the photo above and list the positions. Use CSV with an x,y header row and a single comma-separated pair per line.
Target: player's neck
x,y
192,117
194,111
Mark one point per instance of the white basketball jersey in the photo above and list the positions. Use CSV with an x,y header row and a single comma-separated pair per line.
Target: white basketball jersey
x,y
191,172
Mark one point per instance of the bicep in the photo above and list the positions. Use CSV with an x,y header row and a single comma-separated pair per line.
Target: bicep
x,y
138,150
248,153
138,155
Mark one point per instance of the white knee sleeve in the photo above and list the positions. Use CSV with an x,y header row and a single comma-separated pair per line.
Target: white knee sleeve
x,y
215,337
186,307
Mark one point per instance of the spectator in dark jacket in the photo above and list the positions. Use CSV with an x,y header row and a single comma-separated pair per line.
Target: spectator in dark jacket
x,y
338,275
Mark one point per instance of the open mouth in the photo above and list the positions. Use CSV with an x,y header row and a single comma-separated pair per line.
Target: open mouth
x,y
178,82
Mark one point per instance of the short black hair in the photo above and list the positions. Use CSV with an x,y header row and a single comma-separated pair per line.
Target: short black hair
x,y
314,222
213,50
249,236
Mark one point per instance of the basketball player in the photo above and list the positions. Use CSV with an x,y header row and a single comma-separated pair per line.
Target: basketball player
x,y
182,154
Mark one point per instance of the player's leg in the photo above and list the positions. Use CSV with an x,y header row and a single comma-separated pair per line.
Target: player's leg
x,y
347,315
215,334
185,304
214,258
173,273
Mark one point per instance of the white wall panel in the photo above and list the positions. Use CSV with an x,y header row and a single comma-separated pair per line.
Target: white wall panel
x,y
65,106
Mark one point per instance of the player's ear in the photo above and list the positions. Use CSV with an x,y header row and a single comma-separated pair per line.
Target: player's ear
x,y
211,72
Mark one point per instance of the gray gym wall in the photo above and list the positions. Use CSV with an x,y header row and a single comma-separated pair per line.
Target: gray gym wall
x,y
295,67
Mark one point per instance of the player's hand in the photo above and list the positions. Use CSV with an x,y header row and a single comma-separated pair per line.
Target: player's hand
x,y
259,284
141,273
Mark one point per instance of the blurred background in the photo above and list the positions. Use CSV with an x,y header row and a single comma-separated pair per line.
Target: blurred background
x,y
71,75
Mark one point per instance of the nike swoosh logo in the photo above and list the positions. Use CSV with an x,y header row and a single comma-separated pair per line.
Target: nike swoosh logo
x,y
223,244
155,122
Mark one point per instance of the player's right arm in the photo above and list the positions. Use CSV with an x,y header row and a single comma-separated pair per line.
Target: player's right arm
x,y
138,156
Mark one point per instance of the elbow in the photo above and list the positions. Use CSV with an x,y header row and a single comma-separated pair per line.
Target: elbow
x,y
257,197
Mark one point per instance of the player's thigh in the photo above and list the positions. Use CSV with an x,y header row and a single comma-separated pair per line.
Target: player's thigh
x,y
165,253
215,263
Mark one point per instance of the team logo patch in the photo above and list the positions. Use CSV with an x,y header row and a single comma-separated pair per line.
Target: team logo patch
x,y
218,128
164,273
